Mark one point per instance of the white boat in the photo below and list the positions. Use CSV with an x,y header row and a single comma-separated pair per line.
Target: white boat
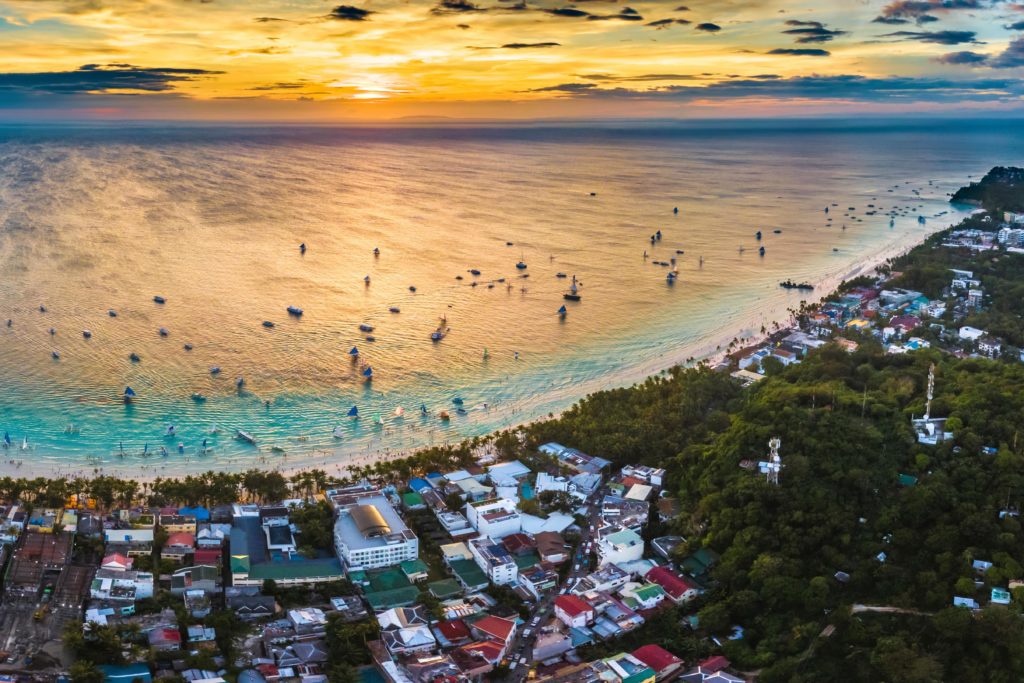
x,y
338,433
245,436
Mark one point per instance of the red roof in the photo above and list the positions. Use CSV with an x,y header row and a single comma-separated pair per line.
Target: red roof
x,y
495,626
517,543
181,538
454,630
117,558
714,664
572,605
674,584
490,650
632,481
207,556
656,657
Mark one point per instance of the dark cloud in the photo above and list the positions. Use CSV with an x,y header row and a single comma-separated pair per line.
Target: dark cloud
x,y
938,37
916,8
267,20
708,27
800,52
280,86
1016,26
1011,57
567,12
966,57
892,21
681,8
527,46
100,78
455,7
665,23
637,79
926,19
349,13
811,31
627,14
843,87
462,26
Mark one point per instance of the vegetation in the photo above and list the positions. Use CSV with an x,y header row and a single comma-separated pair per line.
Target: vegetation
x,y
1002,189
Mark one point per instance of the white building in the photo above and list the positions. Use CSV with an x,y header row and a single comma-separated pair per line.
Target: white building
x,y
369,534
495,561
971,333
621,546
494,518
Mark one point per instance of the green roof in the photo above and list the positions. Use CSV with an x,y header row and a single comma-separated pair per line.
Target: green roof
x,y
412,567
330,570
358,576
625,536
468,573
239,564
387,580
640,676
411,500
445,588
399,597
528,560
649,592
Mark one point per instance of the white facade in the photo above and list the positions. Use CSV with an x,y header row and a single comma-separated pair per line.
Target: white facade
x,y
369,535
971,333
622,546
494,518
495,561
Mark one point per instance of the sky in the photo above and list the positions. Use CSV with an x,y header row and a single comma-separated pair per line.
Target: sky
x,y
382,60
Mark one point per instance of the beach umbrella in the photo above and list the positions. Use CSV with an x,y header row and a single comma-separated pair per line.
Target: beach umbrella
x,y
353,412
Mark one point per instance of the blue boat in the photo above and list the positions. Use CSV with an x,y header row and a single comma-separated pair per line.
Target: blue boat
x,y
457,401
353,352
758,235
268,324
761,251
521,265
366,328
353,411
159,299
129,392
294,310
368,372
562,311
474,271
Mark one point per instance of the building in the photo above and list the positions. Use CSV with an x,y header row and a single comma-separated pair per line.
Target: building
x,y
120,586
405,630
512,472
621,546
495,629
494,518
678,588
538,581
494,560
200,577
129,542
369,534
178,546
969,333
551,547
989,346
252,563
573,611
651,475
576,460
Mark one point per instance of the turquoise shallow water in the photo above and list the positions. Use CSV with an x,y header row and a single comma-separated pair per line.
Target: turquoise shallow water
x,y
93,219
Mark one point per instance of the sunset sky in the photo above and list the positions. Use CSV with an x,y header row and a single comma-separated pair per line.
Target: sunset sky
x,y
385,59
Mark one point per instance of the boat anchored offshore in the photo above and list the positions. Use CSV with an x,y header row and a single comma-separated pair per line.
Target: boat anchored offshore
x,y
442,330
246,437
294,310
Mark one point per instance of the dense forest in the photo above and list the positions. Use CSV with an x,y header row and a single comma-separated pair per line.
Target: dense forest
x,y
1002,189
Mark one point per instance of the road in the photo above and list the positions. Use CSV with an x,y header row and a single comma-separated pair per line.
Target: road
x,y
521,649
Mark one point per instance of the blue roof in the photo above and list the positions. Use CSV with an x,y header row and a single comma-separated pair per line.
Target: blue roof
x,y
126,674
419,484
199,512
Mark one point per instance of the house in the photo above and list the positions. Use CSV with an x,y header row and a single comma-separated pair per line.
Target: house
x,y
622,546
513,471
538,580
197,603
175,523
989,346
116,585
551,644
625,668
178,546
495,629
200,577
415,570
165,639
455,551
249,607
968,333
573,611
551,547
406,629
494,518
519,544
576,460
658,659
452,633
116,562
642,596
710,670
129,542
678,588
308,620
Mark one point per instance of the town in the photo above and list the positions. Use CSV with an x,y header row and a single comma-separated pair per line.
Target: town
x,y
498,571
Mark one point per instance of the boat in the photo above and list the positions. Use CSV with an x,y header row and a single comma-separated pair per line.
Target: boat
x,y
412,288
423,409
239,383
302,248
757,234
215,370
675,210
368,373
366,279
761,251
276,449
72,429
487,354
7,440
777,231
561,275
658,235
571,296
353,352
395,309
24,444
163,332
87,334
378,420
294,310
460,411
366,328
159,299
562,311
353,412
680,251
399,411
42,309
53,331
789,284
338,433
458,401
521,265
128,394
474,271
55,355
671,277
134,357
370,338
268,324
112,313
187,347
245,436
197,397
441,331
376,251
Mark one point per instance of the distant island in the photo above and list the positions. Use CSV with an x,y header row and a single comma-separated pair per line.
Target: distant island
x,y
1002,189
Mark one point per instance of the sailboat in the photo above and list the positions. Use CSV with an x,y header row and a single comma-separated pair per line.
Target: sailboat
x,y
338,433
521,265
354,352
423,409
129,394
562,311
7,440
458,401
378,420
573,293
368,373
24,444
353,412
486,353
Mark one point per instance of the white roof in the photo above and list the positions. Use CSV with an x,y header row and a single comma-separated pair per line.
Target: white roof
x,y
557,521
472,486
507,469
639,492
457,475
128,535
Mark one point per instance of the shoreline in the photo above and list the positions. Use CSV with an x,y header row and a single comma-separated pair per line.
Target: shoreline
x,y
337,461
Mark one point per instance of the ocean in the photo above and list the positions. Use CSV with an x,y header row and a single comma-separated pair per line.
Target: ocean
x,y
100,218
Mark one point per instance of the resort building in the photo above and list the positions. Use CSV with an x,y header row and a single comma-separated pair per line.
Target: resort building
x,y
369,534
495,560
494,518
621,546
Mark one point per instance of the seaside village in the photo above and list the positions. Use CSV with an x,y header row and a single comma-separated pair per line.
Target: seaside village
x,y
499,571
903,320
